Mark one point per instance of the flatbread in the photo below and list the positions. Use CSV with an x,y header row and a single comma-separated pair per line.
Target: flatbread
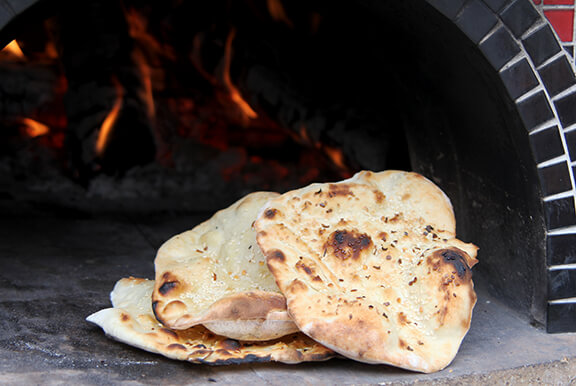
x,y
216,275
131,321
371,268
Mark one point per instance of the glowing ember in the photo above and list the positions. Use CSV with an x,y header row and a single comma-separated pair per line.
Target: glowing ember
x,y
34,128
234,93
14,49
108,124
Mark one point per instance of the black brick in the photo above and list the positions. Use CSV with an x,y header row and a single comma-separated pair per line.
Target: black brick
x,y
561,284
500,48
519,79
566,108
561,249
535,110
555,179
571,144
560,213
557,76
561,318
546,144
542,45
520,16
476,20
496,5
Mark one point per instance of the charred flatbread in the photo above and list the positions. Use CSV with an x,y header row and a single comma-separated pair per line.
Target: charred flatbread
x,y
131,321
216,275
371,268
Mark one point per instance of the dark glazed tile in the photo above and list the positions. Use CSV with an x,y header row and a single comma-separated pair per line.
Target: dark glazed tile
x,y
496,5
555,179
562,284
542,45
557,76
566,108
448,8
561,318
535,110
520,16
561,249
546,144
560,213
519,79
500,48
571,144
476,20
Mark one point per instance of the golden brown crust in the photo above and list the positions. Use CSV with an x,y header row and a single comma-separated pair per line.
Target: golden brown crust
x,y
216,274
371,268
131,321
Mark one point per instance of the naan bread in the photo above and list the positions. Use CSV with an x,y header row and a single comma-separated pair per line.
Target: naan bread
x,y
216,275
131,321
371,268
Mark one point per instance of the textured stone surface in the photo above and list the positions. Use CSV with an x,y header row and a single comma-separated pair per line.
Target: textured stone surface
x,y
57,270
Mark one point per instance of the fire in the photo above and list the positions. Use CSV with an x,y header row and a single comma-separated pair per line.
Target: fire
x,y
234,93
336,156
147,94
34,128
108,124
14,49
276,10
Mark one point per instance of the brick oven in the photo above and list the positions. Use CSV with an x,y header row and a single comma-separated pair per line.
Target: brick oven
x,y
172,110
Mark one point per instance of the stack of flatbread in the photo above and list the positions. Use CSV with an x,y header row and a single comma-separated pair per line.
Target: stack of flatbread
x,y
368,268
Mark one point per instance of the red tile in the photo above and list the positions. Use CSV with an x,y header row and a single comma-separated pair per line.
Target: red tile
x,y
563,22
558,2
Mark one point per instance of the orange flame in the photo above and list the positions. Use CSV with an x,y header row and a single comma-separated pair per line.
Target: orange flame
x,y
276,10
234,93
34,128
14,49
147,94
336,156
108,124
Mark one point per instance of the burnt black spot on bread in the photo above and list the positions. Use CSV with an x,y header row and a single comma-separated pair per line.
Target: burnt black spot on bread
x,y
303,267
167,287
277,255
270,213
231,344
346,244
169,332
455,258
176,346
154,307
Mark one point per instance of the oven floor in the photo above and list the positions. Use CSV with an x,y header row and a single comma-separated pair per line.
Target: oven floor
x,y
57,268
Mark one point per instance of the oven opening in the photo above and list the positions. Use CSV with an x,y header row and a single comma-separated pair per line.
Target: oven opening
x,y
173,110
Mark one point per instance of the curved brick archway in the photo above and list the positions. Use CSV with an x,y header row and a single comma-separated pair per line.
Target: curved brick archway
x,y
539,75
